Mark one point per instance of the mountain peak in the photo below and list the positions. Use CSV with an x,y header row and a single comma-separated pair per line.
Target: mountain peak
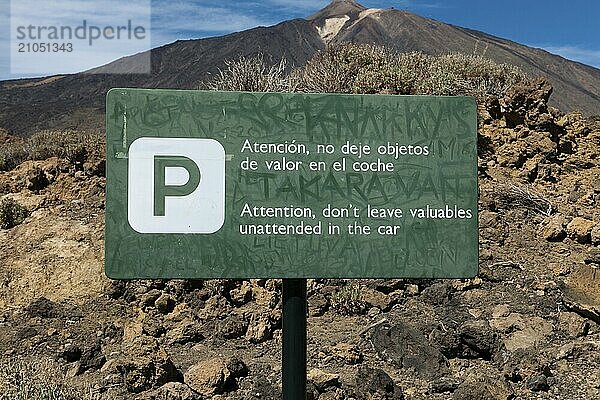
x,y
349,2
337,8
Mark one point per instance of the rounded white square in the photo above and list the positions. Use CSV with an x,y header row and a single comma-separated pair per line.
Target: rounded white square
x,y
201,211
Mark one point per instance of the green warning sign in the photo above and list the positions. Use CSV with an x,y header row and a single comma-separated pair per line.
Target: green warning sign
x,y
290,185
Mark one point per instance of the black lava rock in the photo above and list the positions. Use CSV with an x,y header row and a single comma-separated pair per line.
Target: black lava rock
x,y
376,383
538,383
405,347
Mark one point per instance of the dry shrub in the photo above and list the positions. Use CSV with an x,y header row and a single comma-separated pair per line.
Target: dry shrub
x,y
349,68
37,380
509,196
348,300
472,75
73,146
352,68
12,154
413,69
252,74
11,213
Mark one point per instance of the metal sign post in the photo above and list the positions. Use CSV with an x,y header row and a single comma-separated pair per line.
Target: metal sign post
x,y
294,339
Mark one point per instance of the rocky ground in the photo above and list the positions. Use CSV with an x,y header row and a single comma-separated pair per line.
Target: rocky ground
x,y
527,327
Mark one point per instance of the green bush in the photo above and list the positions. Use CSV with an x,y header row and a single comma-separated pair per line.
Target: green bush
x,y
11,213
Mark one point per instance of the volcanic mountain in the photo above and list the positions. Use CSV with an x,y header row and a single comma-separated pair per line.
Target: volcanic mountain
x,y
77,100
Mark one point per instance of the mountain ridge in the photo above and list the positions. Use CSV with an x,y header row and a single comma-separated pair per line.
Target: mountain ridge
x,y
77,101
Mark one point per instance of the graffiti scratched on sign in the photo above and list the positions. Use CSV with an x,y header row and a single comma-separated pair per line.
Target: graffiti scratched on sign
x,y
288,185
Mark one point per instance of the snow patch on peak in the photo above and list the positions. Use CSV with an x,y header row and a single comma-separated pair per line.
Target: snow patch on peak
x,y
332,27
369,11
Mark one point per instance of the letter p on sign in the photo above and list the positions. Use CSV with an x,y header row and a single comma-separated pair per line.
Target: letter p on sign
x,y
176,185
